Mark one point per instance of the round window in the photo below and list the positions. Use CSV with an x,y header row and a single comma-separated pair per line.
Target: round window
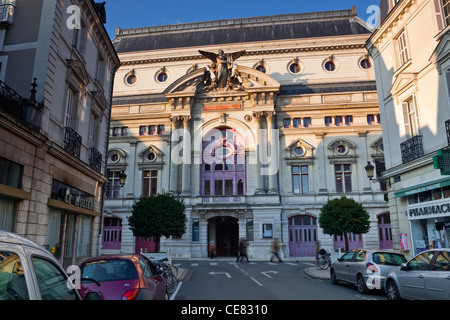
x,y
131,79
261,68
294,67
114,157
341,149
162,77
365,64
151,156
330,66
299,151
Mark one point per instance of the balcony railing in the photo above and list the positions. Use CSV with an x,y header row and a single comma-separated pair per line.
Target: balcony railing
x,y
411,149
95,160
72,142
27,111
6,14
223,199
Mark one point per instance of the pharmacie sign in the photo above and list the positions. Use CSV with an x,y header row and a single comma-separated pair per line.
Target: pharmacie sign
x,y
432,209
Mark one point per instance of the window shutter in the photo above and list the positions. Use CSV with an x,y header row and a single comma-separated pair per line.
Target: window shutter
x,y
416,115
439,14
406,120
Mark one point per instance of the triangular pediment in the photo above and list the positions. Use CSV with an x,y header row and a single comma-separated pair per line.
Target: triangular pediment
x,y
151,149
442,49
79,70
300,149
402,82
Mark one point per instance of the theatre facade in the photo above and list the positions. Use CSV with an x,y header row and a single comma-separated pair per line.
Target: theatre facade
x,y
254,123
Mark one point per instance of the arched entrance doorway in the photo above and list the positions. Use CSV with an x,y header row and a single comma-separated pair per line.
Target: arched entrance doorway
x,y
302,236
224,231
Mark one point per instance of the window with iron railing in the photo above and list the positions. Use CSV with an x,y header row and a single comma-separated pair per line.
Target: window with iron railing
x,y
411,149
25,110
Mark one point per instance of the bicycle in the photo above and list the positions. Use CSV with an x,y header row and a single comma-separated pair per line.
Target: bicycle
x,y
167,272
323,260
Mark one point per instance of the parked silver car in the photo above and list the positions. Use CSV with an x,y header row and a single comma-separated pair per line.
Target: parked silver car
x,y
365,268
426,276
29,272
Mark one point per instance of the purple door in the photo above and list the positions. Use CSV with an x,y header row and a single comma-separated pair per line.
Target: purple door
x,y
384,231
112,233
302,236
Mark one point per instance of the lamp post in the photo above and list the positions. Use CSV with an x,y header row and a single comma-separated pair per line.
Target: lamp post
x,y
122,179
369,170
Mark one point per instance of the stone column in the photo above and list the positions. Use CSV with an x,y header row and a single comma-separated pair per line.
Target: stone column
x,y
173,182
186,179
272,154
259,183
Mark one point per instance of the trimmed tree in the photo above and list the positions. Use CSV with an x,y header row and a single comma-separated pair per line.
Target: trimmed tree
x,y
157,216
342,216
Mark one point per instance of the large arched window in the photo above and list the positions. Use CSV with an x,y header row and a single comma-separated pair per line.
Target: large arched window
x,y
223,163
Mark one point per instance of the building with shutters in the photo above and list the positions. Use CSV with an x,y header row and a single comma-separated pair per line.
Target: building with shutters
x,y
410,50
254,123
57,67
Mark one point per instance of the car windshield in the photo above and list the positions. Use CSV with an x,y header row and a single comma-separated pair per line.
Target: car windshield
x,y
109,270
388,258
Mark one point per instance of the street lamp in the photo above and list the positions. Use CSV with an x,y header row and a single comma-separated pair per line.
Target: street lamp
x,y
122,178
369,170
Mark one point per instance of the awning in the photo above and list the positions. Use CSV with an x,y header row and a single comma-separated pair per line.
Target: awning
x,y
440,183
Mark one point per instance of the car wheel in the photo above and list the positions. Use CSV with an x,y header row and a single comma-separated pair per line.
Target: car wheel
x,y
392,291
333,277
361,284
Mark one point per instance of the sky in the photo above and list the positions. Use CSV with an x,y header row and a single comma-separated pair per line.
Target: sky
x,y
146,13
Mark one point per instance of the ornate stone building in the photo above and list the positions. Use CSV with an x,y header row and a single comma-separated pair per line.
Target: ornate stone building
x,y
255,123
53,140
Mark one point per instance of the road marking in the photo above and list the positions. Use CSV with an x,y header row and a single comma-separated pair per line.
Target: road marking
x,y
213,264
266,273
291,264
172,297
272,263
259,283
309,263
194,265
225,273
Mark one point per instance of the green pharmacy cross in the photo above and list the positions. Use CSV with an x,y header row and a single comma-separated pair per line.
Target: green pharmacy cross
x,y
442,161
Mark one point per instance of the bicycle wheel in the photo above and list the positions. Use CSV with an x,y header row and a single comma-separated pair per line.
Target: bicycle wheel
x,y
320,263
172,282
327,264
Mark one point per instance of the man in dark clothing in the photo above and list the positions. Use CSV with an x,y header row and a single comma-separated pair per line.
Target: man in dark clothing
x,y
242,250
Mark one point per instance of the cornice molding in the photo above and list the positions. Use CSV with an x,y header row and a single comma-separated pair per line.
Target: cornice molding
x,y
248,53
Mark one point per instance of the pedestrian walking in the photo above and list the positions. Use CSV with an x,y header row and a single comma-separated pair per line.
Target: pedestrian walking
x,y
275,250
242,251
212,250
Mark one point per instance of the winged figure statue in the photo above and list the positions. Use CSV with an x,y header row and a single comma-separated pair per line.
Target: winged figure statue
x,y
223,72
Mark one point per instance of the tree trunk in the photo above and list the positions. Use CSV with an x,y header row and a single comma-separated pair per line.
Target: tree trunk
x,y
156,244
346,242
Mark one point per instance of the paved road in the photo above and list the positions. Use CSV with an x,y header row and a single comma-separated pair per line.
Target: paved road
x,y
227,280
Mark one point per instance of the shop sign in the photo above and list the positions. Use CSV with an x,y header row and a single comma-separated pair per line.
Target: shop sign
x,y
71,195
429,210
442,161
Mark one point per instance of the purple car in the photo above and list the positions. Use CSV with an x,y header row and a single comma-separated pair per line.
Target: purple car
x,y
124,277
